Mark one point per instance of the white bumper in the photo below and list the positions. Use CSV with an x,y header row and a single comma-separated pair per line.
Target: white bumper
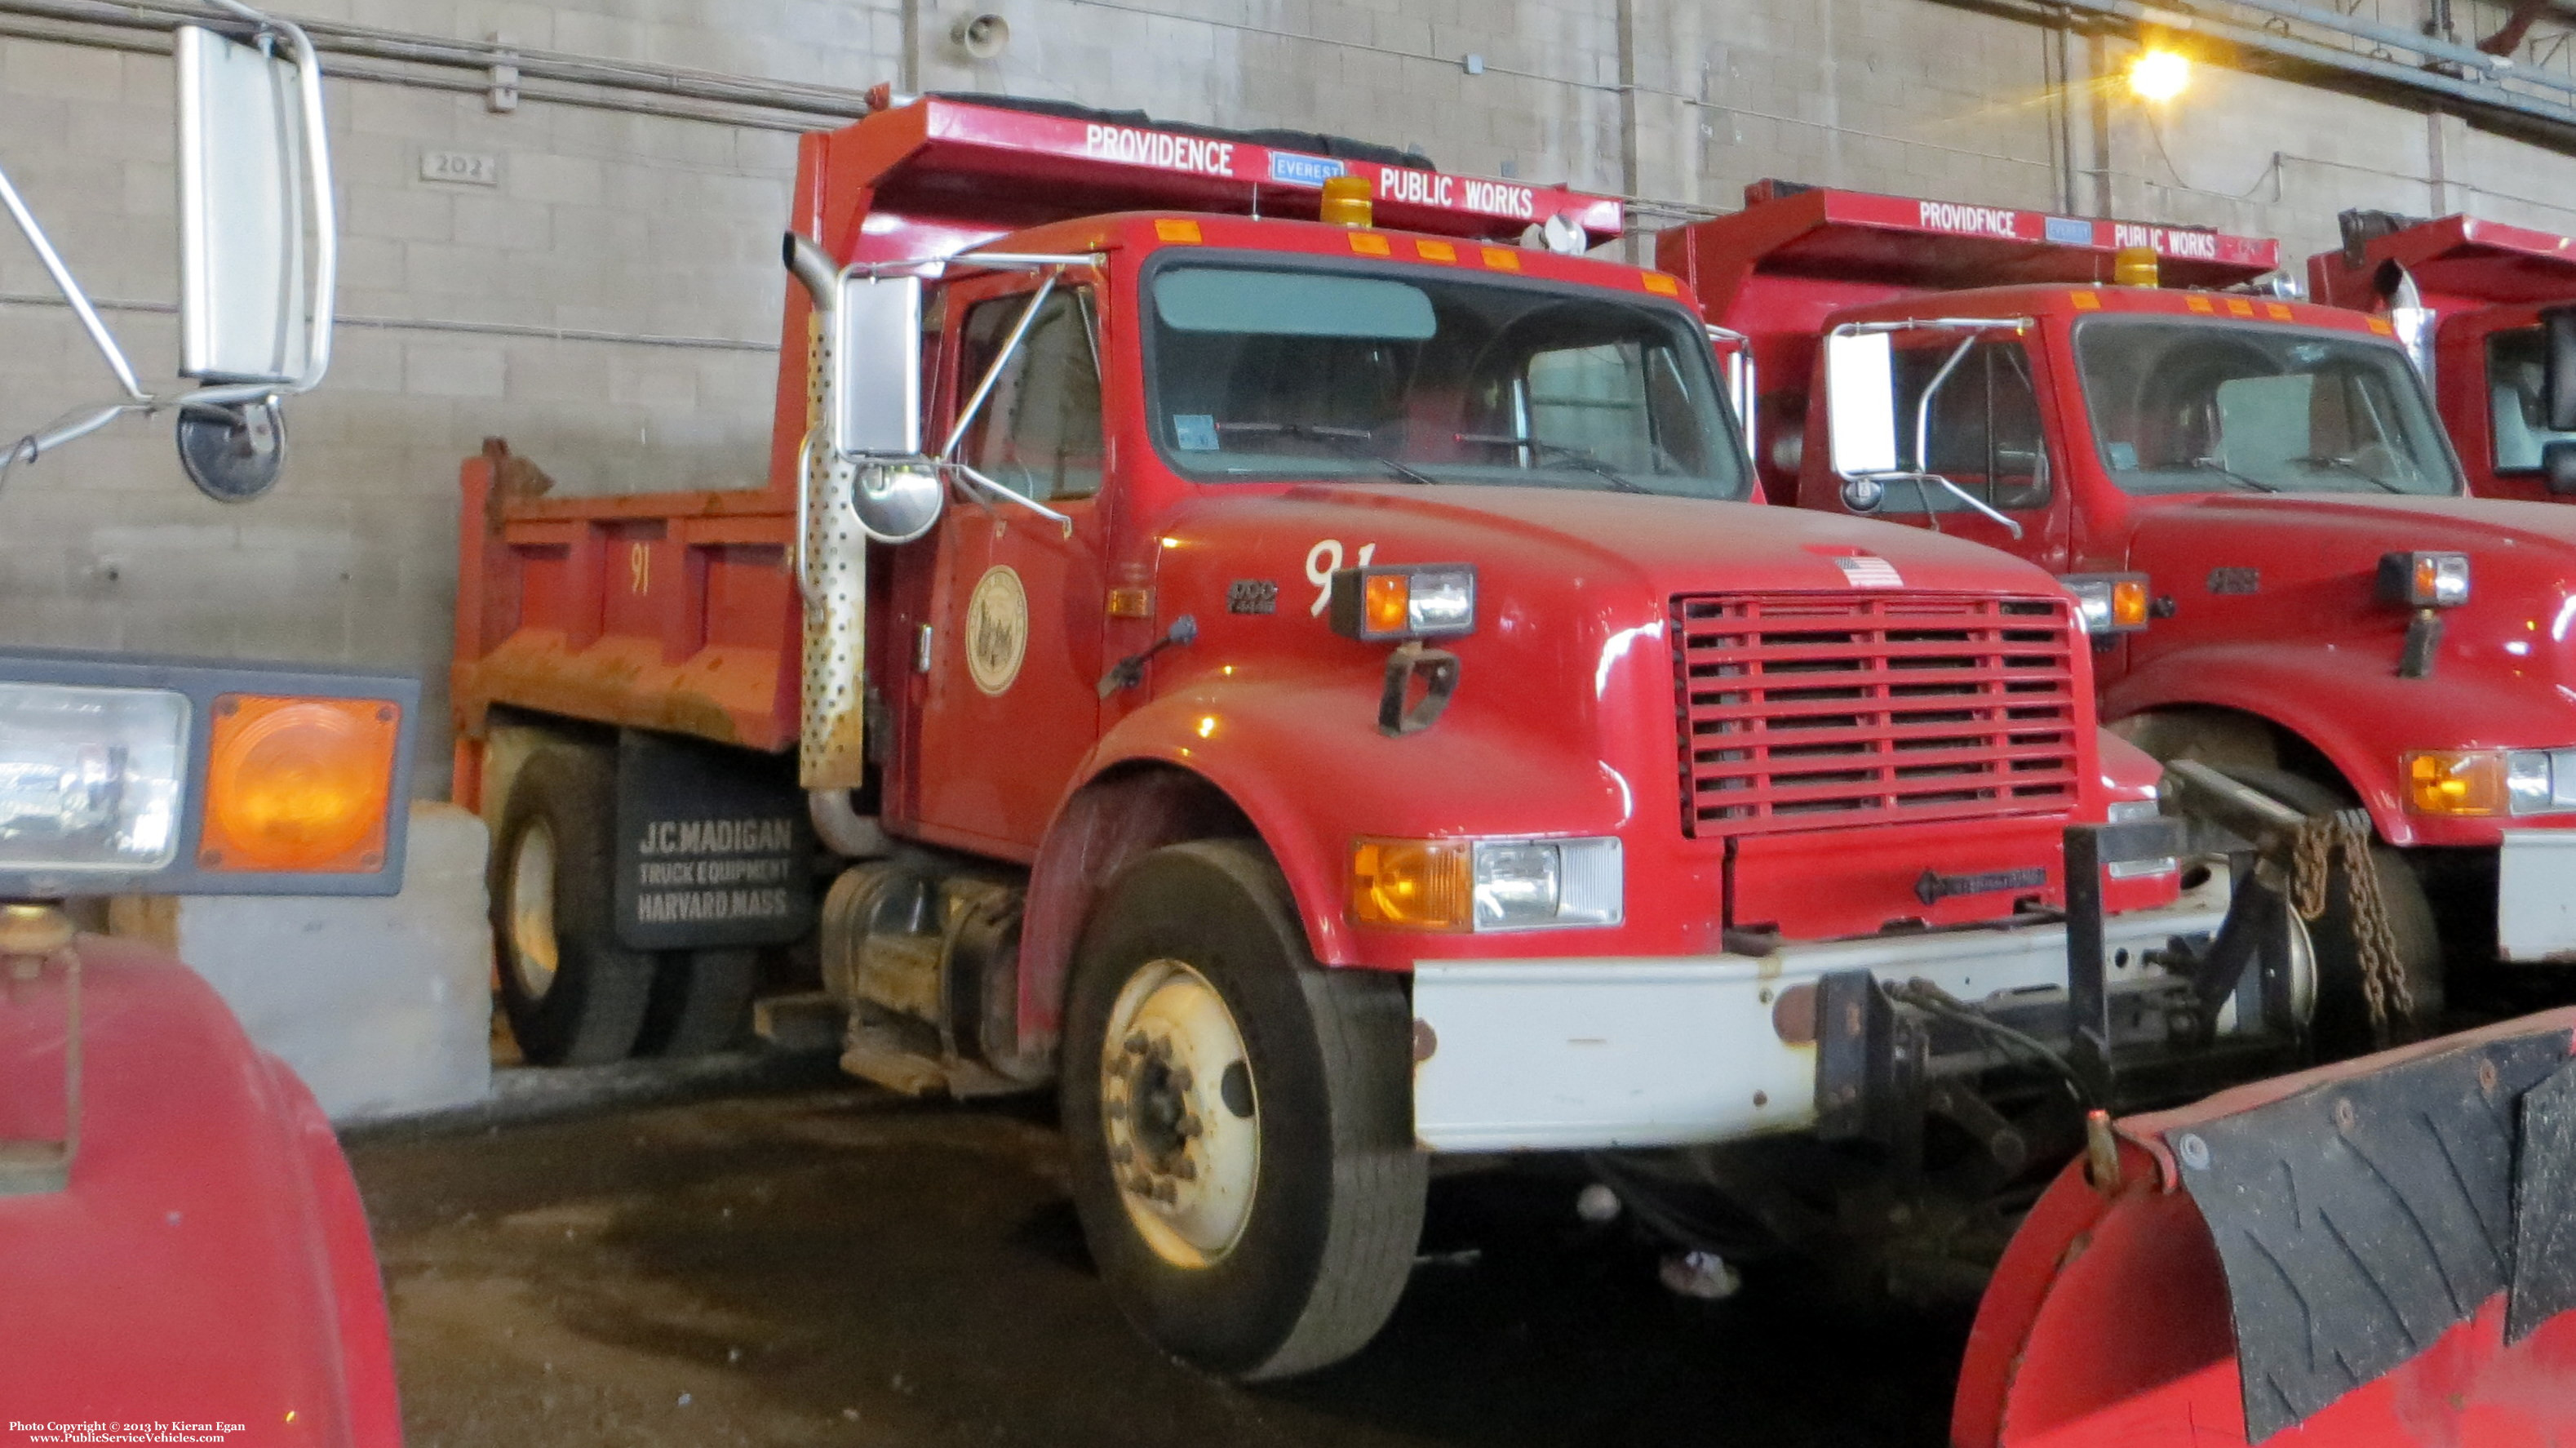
x,y
1599,1052
2536,895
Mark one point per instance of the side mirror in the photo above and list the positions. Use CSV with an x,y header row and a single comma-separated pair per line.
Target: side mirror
x,y
2558,466
876,367
256,255
2558,374
1860,403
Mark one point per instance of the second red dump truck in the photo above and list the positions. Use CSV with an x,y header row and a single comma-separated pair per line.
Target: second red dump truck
x,y
1234,635
2489,312
2254,491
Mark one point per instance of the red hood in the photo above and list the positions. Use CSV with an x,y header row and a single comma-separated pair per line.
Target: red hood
x,y
209,1263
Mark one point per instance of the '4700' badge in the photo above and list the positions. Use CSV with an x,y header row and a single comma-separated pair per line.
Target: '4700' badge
x,y
997,629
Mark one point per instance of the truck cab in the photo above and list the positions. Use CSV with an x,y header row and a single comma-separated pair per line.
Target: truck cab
x,y
2290,580
2489,311
1277,646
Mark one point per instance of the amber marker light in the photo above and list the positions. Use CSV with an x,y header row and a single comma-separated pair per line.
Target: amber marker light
x,y
2456,782
298,784
1412,884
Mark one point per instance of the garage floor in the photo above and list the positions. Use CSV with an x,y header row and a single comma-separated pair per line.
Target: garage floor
x,y
841,1267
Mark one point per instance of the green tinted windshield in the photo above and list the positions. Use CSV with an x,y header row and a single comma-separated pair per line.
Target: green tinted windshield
x,y
1266,372
2190,407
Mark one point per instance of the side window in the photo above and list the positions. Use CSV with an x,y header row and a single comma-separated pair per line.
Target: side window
x,y
2514,370
1985,430
1039,432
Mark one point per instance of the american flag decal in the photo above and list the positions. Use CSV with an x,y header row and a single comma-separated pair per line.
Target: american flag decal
x,y
1869,571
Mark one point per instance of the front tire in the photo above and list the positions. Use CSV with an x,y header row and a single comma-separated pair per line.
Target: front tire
x,y
2341,1025
1239,1118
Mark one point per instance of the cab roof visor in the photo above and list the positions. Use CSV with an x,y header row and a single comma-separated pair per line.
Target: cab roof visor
x,y
946,173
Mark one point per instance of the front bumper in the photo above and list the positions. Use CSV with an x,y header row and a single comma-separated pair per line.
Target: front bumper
x,y
2536,896
1595,1052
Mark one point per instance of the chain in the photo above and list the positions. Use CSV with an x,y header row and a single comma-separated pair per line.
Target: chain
x,y
2312,856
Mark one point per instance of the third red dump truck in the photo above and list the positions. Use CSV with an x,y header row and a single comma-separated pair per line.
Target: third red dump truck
x,y
1255,633
2489,312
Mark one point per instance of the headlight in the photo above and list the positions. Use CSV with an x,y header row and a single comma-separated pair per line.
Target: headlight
x,y
90,778
2131,811
1457,885
2109,602
1417,601
2540,781
2424,580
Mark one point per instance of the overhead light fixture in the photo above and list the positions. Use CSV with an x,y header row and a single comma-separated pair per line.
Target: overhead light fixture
x,y
2159,75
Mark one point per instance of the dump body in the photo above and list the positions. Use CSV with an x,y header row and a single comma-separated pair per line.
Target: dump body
x,y
208,1263
2269,638
2486,285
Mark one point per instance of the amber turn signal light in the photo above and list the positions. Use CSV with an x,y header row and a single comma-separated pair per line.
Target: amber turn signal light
x,y
298,784
1412,884
2456,782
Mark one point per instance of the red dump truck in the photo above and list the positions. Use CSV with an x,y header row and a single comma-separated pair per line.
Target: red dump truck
x,y
1255,633
2255,490
2489,311
182,1250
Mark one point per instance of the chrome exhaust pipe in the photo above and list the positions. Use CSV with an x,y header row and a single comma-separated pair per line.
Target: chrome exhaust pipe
x,y
811,265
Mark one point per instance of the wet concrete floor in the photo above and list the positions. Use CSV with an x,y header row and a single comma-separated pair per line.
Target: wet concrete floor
x,y
837,1266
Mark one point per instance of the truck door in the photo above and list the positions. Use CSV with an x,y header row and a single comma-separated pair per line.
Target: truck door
x,y
1989,435
1011,700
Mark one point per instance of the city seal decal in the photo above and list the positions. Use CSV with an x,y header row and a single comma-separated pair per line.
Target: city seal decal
x,y
997,630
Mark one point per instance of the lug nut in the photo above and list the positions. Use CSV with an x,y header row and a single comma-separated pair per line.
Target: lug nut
x,y
1135,1043
1181,1078
1186,1169
1189,1127
1121,1154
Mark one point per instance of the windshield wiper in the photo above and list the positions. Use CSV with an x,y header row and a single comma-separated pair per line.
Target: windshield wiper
x,y
2213,465
1338,438
2323,460
1574,455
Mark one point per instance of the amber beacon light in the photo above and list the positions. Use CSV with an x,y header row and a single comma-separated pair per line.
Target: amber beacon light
x,y
1347,202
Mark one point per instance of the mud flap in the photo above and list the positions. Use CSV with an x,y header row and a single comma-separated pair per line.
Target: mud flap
x,y
2361,1219
2378,1252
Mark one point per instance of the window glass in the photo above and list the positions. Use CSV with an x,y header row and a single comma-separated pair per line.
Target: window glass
x,y
1039,432
2515,367
1260,373
2188,407
1984,432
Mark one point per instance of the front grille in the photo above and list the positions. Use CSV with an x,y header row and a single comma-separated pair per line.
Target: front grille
x,y
1802,711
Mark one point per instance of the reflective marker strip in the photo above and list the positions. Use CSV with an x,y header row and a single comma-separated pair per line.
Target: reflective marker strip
x,y
1662,285
2085,301
1502,258
1177,229
1430,250
1369,243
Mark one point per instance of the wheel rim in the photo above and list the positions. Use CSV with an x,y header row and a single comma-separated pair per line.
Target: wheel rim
x,y
1179,1114
534,956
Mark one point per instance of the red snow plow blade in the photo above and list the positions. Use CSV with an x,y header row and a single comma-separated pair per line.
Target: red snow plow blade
x,y
2381,1252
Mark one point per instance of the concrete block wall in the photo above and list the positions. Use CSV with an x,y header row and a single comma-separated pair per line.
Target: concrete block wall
x,y
609,305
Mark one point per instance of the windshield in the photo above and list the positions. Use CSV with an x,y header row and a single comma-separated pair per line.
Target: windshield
x,y
2193,407
2517,363
1263,372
